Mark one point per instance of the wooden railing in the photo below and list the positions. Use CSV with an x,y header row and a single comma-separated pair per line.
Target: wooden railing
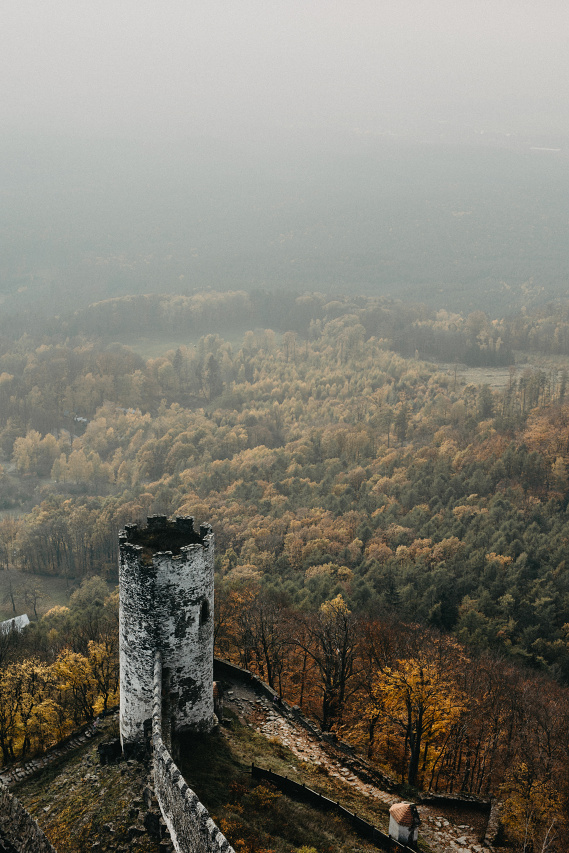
x,y
312,798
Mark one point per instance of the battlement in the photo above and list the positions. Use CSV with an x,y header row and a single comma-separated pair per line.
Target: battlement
x,y
164,536
189,823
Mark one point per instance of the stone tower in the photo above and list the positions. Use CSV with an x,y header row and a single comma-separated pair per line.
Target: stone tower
x,y
166,605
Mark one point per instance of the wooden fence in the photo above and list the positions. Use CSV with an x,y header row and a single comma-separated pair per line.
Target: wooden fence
x,y
312,798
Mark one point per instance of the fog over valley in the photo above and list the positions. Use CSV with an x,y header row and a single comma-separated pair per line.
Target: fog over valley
x,y
405,149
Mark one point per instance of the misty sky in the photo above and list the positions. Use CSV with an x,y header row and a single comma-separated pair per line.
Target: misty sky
x,y
263,68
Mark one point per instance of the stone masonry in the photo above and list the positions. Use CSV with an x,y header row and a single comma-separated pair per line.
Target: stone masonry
x,y
19,833
166,605
166,661
190,826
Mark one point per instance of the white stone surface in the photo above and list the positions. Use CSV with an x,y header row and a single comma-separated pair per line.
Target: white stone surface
x,y
166,604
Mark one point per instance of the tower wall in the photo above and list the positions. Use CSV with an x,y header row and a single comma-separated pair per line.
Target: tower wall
x,y
186,633
137,640
166,605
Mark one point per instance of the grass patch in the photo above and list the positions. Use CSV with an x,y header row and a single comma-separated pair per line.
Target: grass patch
x,y
53,591
153,346
76,801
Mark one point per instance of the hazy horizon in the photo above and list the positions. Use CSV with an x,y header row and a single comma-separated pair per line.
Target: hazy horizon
x,y
226,70
308,144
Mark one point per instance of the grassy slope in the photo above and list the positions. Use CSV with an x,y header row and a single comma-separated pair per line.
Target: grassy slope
x,y
217,768
54,590
76,800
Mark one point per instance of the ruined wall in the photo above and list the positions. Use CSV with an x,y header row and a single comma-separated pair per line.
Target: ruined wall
x,y
166,603
191,828
19,833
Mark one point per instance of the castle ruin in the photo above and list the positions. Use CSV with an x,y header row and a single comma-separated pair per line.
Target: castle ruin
x,y
166,675
166,661
166,606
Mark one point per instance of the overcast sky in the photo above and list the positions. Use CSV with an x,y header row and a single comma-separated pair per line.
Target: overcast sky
x,y
244,68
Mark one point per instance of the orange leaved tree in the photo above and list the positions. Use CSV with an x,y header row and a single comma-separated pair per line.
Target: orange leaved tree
x,y
419,703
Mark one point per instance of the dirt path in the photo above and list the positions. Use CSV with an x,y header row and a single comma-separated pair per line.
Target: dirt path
x,y
441,834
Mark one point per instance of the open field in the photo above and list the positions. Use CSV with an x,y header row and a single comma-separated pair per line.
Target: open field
x,y
155,346
51,591
500,378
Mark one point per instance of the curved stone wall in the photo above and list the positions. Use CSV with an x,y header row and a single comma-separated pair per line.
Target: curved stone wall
x,y
19,833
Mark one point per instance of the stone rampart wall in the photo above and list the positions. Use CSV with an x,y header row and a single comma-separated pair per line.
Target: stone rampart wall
x,y
19,833
191,828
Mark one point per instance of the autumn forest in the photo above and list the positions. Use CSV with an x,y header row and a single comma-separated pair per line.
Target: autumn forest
x,y
391,520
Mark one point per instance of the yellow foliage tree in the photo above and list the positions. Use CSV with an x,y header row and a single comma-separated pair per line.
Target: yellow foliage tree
x,y
77,684
419,703
104,663
532,810
330,641
8,712
33,689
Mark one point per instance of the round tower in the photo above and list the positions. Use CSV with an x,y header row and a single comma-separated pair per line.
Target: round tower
x,y
166,605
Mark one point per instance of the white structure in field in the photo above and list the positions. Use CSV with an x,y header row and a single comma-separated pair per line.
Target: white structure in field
x,y
166,605
18,623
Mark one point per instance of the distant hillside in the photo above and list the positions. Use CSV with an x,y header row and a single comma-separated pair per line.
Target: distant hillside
x,y
458,226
